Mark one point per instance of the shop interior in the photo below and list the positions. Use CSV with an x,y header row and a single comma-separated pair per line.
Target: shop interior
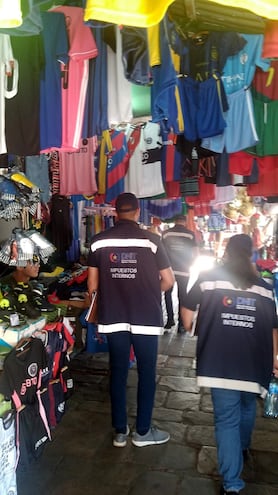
x,y
178,106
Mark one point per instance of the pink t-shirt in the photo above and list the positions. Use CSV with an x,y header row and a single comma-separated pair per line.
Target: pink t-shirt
x,y
77,170
75,75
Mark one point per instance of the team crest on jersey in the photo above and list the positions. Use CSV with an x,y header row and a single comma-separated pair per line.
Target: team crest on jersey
x,y
243,58
33,369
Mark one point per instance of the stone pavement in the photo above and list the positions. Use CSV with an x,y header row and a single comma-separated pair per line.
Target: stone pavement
x,y
81,459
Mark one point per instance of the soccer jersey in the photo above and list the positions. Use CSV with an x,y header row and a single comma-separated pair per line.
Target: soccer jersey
x,y
233,321
77,170
23,370
144,176
24,367
82,47
172,158
203,56
266,119
239,69
133,301
117,165
268,178
266,83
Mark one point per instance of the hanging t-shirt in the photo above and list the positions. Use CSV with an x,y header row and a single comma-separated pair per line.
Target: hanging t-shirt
x,y
10,13
6,57
117,165
75,81
144,177
77,170
23,110
119,88
204,55
56,52
266,83
239,69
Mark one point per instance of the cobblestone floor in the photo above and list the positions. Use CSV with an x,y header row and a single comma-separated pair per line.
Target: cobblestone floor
x,y
81,459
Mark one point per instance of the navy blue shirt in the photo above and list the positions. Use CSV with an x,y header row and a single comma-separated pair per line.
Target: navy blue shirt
x,y
129,260
180,243
235,332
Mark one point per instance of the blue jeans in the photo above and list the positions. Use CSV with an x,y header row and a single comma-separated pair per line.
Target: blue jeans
x,y
234,419
145,349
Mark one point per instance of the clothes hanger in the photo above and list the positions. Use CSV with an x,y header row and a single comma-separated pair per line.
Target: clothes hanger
x,y
199,37
23,344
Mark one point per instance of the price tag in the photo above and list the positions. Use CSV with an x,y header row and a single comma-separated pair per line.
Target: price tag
x,y
14,320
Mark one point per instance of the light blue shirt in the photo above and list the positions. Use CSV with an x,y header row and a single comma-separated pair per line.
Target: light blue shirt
x,y
239,69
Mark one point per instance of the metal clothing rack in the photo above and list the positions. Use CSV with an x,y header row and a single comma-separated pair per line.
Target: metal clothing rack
x,y
103,210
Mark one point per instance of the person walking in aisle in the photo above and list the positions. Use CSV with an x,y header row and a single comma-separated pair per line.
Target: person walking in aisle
x,y
181,246
129,267
236,350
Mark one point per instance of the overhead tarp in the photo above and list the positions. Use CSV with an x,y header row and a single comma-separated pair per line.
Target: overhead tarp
x,y
213,16
264,8
139,13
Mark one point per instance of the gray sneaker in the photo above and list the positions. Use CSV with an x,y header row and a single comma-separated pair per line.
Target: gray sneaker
x,y
120,439
153,437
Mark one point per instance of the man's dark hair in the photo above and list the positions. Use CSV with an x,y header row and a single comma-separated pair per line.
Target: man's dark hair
x,y
237,261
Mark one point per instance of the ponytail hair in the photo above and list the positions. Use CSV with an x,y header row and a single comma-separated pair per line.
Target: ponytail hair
x,y
238,263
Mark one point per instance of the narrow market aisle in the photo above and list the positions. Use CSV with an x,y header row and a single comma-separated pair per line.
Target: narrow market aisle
x,y
81,459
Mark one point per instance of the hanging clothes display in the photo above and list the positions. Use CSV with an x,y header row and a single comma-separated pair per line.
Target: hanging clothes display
x,y
77,170
23,110
31,22
8,69
119,88
238,72
96,107
144,177
60,224
164,95
56,48
10,14
82,47
117,165
137,13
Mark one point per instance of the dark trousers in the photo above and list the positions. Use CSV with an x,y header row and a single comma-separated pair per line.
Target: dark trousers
x,y
145,350
169,304
182,286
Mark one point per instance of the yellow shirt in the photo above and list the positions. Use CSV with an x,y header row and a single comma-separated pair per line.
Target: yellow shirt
x,y
140,13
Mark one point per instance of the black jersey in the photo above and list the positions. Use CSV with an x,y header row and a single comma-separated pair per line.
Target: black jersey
x,y
21,381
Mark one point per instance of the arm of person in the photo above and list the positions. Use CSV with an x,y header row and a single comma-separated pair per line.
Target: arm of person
x,y
187,316
93,280
275,352
167,279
